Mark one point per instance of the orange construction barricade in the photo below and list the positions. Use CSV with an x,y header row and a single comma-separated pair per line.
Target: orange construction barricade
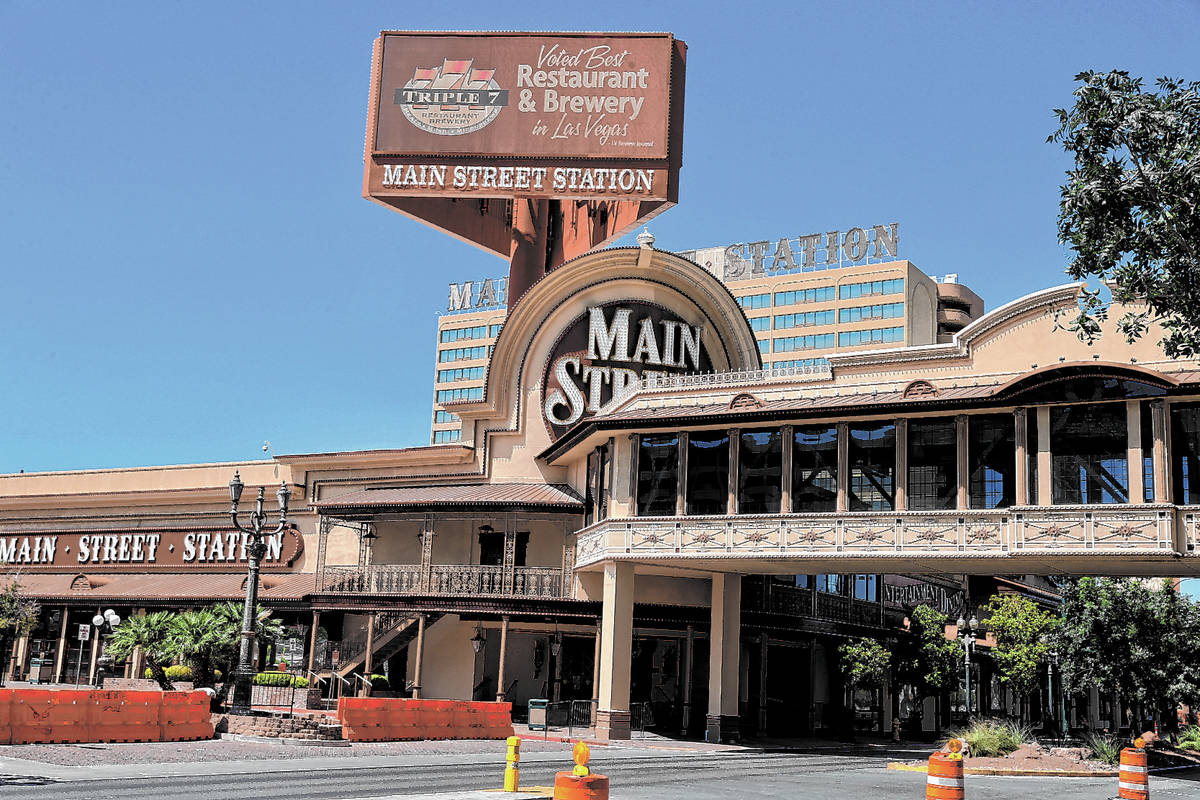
x,y
185,716
6,700
1133,778
945,780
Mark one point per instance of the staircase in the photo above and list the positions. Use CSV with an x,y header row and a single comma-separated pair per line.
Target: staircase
x,y
393,631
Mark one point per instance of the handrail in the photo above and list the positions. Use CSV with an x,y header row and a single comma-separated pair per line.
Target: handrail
x,y
365,680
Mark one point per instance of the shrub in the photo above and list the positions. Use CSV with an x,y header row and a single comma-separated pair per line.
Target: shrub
x,y
989,737
1189,738
177,672
1105,748
280,679
379,683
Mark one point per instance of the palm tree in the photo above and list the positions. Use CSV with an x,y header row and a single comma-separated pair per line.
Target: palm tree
x,y
152,634
195,637
228,636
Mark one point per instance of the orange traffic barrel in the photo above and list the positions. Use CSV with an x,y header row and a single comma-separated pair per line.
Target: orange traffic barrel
x,y
1132,778
945,780
568,786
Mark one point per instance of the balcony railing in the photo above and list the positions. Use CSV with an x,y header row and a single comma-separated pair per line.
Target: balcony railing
x,y
797,601
1044,530
459,580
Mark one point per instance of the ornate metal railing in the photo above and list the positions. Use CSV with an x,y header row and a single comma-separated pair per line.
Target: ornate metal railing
x,y
798,601
1049,531
471,580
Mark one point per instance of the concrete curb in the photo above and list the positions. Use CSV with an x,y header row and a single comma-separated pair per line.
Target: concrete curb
x,y
1015,773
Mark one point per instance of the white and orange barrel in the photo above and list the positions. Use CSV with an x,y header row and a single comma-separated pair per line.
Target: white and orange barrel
x,y
945,779
1133,779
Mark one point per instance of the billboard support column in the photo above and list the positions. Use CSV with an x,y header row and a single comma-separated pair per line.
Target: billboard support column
x,y
527,255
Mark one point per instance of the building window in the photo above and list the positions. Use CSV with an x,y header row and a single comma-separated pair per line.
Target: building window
x,y
872,467
831,584
764,346
474,332
800,363
814,469
1089,456
991,450
446,437
752,301
786,344
463,354
440,416
589,496
760,323
1185,452
1031,455
457,395
866,587
760,472
491,547
803,320
1147,422
817,294
871,336
932,464
882,311
707,472
658,475
460,374
851,290
494,330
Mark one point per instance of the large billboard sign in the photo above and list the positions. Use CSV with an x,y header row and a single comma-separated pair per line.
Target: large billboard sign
x,y
595,117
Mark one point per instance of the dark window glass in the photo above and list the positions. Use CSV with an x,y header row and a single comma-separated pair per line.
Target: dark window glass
x,y
1089,459
932,464
866,587
872,467
1185,452
814,469
589,498
491,547
760,472
1147,453
1071,387
603,481
708,472
1031,454
991,450
658,475
831,584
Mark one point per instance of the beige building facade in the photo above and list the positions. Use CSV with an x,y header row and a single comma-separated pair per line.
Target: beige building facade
x,y
643,518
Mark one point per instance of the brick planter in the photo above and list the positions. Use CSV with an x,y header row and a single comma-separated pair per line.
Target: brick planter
x,y
315,727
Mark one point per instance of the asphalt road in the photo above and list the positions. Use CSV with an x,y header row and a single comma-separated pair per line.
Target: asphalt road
x,y
634,776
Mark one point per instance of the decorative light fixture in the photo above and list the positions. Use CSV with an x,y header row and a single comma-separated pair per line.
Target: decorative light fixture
x,y
486,529
477,641
370,534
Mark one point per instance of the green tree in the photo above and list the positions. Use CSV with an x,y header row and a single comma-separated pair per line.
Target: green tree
x,y
865,663
1023,632
1130,208
924,658
226,641
151,633
1132,638
197,639
18,615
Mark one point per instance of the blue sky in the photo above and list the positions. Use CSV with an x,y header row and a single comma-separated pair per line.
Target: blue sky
x,y
189,268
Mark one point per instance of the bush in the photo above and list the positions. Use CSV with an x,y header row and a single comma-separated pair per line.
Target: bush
x,y
1189,738
993,738
177,672
1105,748
280,679
379,683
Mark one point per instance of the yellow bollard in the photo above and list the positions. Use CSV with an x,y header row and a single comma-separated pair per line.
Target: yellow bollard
x,y
512,768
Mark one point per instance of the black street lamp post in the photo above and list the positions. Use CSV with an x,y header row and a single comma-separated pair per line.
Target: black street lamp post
x,y
966,631
258,547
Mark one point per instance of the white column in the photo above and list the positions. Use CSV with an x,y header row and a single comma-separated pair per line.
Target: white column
x,y
1133,429
724,650
616,651
1044,483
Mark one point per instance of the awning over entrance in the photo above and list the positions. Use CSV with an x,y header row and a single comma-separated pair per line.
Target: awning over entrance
x,y
162,587
479,496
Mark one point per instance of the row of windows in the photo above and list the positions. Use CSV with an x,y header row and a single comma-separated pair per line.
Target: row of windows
x,y
1089,463
881,311
851,290
788,343
454,395
760,323
764,346
464,354
460,374
801,362
755,301
475,332
440,416
801,320
871,336
445,437
815,295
